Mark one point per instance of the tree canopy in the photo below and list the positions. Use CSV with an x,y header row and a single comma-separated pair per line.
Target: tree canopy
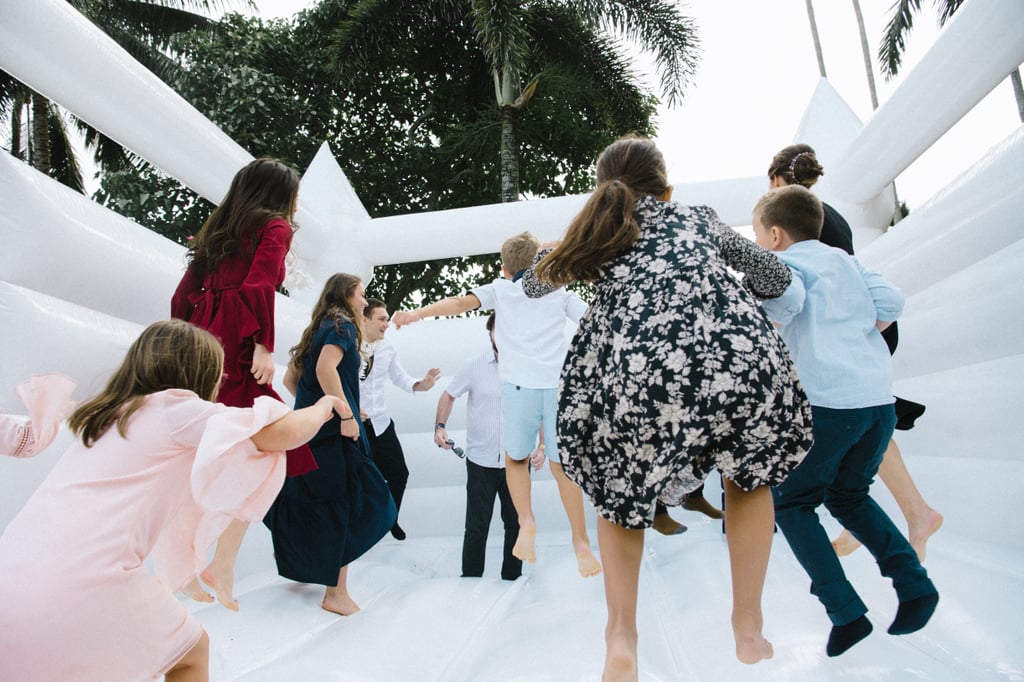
x,y
414,131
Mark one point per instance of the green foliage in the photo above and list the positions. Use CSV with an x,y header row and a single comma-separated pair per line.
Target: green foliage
x,y
414,130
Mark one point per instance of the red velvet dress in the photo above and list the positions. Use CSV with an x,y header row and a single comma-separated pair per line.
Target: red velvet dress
x,y
235,303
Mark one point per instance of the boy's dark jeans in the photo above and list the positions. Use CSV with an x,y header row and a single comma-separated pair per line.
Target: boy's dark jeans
x,y
483,484
848,447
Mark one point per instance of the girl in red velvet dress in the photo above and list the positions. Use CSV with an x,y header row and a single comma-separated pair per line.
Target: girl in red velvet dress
x,y
236,264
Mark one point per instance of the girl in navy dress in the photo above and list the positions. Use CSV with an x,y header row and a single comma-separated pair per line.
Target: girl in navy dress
x,y
325,519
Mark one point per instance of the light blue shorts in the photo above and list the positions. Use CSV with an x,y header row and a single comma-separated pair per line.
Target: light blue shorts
x,y
523,411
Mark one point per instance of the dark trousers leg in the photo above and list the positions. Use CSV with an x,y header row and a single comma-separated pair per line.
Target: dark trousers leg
x,y
511,567
847,499
387,454
480,492
796,502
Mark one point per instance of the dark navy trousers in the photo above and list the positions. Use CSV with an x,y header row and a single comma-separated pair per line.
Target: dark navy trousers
x,y
837,472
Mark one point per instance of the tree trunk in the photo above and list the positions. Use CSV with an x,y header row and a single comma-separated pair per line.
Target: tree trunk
x,y
39,155
817,41
866,52
1018,92
509,154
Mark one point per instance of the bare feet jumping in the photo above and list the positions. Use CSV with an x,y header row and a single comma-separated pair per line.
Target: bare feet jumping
x,y
223,584
525,548
921,528
585,560
751,646
620,660
194,591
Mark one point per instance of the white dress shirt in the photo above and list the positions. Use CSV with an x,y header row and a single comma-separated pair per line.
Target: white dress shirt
x,y
383,364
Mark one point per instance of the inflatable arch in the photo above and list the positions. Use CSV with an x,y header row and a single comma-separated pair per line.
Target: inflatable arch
x,y
78,281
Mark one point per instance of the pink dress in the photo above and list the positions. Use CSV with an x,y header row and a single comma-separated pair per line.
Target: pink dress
x,y
48,399
76,602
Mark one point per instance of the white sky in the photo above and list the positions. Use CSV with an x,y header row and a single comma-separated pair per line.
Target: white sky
x,y
756,76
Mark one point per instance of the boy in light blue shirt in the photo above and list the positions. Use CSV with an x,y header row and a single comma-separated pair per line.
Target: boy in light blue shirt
x,y
830,318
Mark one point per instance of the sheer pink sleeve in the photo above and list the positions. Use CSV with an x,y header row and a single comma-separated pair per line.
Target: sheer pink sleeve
x,y
48,399
230,478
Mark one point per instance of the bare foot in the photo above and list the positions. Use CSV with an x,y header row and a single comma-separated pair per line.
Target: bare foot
x,y
343,605
525,548
666,525
921,531
194,591
223,586
751,646
620,661
845,543
586,561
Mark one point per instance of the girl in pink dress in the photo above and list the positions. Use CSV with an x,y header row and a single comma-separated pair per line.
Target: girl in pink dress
x,y
48,399
236,264
158,471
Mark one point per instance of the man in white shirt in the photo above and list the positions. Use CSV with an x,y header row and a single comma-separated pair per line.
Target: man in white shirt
x,y
485,462
379,366
531,335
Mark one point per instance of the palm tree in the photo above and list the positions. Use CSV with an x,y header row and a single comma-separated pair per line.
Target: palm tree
x,y
890,52
519,40
866,52
817,41
145,29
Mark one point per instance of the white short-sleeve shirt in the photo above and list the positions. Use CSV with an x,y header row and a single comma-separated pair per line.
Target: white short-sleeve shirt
x,y
479,379
530,331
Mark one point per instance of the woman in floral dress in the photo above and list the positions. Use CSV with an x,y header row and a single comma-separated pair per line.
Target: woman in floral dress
x,y
673,372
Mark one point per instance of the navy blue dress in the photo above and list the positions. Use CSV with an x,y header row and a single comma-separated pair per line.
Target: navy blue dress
x,y
327,518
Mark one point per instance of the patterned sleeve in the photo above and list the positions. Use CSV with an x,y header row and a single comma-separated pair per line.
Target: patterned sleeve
x,y
533,287
765,276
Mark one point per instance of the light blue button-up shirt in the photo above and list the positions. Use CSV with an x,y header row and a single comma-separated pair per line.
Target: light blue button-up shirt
x,y
827,318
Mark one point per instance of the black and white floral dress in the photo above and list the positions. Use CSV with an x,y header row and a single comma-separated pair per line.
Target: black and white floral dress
x,y
675,371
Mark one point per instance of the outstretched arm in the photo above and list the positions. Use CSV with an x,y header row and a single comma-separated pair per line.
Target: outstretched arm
x,y
428,380
453,305
297,427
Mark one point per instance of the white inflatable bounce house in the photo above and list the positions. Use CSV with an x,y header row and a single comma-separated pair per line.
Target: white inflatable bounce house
x,y
78,282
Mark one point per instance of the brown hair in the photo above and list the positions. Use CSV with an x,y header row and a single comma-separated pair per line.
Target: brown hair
x,y
168,354
518,252
333,303
371,305
261,191
792,208
796,165
626,170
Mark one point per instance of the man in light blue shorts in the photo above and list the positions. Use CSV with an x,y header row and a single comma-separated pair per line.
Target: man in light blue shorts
x,y
531,335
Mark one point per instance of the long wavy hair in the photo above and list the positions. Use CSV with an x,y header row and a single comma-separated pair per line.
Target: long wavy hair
x,y
263,190
626,170
333,303
168,354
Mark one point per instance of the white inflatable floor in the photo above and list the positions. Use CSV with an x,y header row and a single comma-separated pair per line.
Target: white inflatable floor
x,y
421,621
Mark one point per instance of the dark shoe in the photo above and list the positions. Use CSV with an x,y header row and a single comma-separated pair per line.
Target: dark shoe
x,y
843,637
914,614
397,532
666,525
700,504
